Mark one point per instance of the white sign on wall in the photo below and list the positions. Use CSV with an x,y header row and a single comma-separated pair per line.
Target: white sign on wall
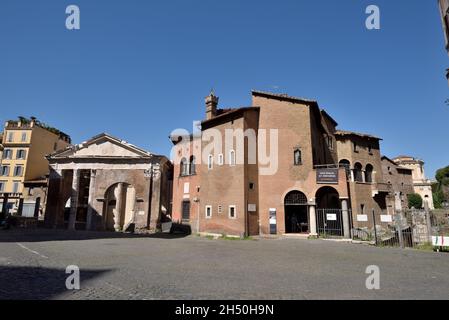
x,y
362,218
331,217
252,207
186,187
386,218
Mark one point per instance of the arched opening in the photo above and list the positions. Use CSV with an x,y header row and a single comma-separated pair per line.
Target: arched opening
x,y
184,167
296,217
192,165
329,213
347,166
327,198
119,207
369,173
358,172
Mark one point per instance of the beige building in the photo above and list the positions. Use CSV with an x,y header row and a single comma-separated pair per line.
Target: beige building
x,y
319,180
25,144
106,183
421,184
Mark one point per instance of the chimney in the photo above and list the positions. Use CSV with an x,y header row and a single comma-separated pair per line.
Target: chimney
x,y
211,105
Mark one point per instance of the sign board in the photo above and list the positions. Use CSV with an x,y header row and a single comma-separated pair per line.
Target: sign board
x,y
386,218
440,241
272,221
362,218
326,176
331,217
252,207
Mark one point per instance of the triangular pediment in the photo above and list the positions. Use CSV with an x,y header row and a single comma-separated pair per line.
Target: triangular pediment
x,y
103,146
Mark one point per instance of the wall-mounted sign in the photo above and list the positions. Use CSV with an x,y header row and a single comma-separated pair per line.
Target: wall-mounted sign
x,y
386,218
362,218
331,217
252,207
327,176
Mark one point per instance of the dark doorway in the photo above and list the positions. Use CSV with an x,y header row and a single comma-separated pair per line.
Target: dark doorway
x,y
186,210
296,215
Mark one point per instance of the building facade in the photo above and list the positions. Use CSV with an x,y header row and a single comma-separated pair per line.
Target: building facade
x,y
277,166
421,184
108,184
25,144
400,180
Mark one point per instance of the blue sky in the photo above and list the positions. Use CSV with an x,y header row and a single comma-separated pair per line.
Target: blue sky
x,y
139,69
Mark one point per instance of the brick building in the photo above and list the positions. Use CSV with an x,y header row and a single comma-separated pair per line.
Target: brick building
x,y
277,166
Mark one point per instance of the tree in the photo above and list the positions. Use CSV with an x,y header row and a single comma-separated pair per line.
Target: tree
x,y
414,201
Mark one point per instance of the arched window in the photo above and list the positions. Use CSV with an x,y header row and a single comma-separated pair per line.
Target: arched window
x,y
192,165
210,162
232,158
347,165
297,157
358,172
184,167
369,173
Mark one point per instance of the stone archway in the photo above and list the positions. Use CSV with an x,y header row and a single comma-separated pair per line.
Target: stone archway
x,y
119,207
327,198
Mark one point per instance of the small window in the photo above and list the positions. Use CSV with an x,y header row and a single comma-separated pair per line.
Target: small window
x,y
362,209
18,171
208,212
370,149
21,154
15,187
356,147
330,142
10,136
251,186
220,159
24,137
297,157
232,212
2,186
184,167
232,158
7,154
4,171
192,170
210,162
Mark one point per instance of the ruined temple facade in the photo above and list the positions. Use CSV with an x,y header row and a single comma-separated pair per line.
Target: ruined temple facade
x,y
318,180
108,184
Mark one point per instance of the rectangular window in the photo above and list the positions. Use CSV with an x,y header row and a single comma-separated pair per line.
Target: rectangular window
x,y
10,136
220,159
7,154
356,147
232,212
330,142
2,186
210,162
208,212
15,187
4,171
362,209
24,137
18,171
232,158
21,154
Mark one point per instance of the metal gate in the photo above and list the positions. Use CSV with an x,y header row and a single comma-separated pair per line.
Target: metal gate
x,y
330,222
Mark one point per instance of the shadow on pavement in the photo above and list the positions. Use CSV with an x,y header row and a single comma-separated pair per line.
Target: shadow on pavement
x,y
37,283
42,235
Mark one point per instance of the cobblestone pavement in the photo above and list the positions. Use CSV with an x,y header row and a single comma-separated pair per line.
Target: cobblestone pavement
x,y
32,266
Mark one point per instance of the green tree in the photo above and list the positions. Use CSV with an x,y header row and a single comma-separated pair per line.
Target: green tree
x,y
414,201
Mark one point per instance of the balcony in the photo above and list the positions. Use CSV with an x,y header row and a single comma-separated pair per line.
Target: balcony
x,y
381,187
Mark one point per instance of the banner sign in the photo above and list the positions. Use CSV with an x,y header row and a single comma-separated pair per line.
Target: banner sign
x,y
327,176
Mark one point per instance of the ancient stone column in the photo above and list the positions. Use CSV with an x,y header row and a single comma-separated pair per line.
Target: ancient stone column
x,y
74,198
118,207
345,214
312,217
155,197
90,208
352,175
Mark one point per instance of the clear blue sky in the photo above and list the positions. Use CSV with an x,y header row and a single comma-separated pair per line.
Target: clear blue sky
x,y
138,69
